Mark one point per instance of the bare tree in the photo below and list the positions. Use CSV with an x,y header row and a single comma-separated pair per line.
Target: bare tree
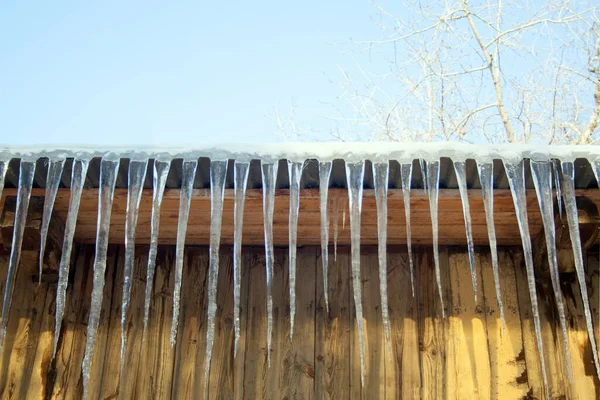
x,y
476,71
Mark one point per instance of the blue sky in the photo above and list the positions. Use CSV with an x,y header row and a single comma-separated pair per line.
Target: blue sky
x,y
148,73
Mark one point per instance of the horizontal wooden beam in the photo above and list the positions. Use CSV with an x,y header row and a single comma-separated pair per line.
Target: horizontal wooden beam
x,y
451,222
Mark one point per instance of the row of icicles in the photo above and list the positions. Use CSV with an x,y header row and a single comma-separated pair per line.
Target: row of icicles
x,y
543,173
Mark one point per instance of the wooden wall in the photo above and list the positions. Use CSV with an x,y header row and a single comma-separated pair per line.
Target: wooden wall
x,y
464,356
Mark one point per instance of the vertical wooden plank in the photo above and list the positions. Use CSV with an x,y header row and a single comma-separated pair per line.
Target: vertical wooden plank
x,y
256,331
240,359
507,361
281,322
402,370
155,379
468,368
593,285
355,378
188,370
332,333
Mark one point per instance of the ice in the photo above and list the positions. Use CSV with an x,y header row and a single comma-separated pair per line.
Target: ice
x,y
137,176
355,176
568,191
269,180
542,179
381,173
159,180
433,180
336,228
556,172
460,168
55,169
27,171
486,177
240,181
218,174
406,176
324,174
185,198
295,174
515,173
423,165
108,176
79,172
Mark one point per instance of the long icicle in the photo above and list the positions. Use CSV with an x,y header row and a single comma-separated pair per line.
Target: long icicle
x,y
240,182
27,171
79,172
108,176
218,174
433,180
355,173
136,178
568,191
381,174
269,179
324,175
159,181
55,169
406,176
516,177
336,228
460,168
185,199
295,174
486,177
556,172
542,179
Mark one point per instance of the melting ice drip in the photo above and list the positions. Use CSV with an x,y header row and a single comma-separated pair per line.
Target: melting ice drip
x,y
543,173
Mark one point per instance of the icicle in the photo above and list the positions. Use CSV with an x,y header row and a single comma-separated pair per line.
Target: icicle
x,y
516,177
295,174
355,173
486,177
542,179
269,179
336,214
185,199
108,177
460,168
568,188
433,180
423,165
240,181
78,175
324,174
406,175
595,168
137,176
381,173
27,171
159,180
556,172
55,169
218,174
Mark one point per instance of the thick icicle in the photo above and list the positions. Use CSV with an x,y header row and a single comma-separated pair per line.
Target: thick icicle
x,y
381,174
324,174
433,180
185,198
295,174
568,191
137,176
240,181
108,176
55,169
542,179
159,180
406,175
336,229
269,179
218,174
423,165
556,172
27,171
78,175
486,177
460,168
516,178
355,173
